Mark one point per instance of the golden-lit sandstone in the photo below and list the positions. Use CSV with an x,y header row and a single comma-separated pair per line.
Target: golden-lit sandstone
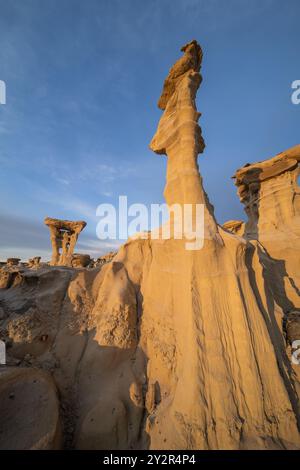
x,y
64,235
169,348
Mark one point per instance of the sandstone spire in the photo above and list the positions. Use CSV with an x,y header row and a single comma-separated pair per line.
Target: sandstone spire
x,y
179,135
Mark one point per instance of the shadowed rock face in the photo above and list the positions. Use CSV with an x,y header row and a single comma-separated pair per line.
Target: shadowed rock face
x,y
80,260
165,348
190,61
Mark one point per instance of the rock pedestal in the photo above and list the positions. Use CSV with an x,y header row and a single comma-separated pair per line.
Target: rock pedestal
x,y
64,235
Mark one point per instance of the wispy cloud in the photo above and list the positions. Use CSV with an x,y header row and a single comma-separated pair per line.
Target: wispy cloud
x,y
69,204
96,247
20,237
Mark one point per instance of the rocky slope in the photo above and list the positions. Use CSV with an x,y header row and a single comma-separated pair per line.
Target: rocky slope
x,y
164,347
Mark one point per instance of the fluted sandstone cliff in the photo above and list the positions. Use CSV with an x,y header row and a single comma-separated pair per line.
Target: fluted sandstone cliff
x,y
270,193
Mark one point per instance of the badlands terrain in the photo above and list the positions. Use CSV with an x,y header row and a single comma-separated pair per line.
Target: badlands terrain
x,y
161,347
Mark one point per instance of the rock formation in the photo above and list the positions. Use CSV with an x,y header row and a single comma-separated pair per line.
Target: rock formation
x,y
235,226
271,195
80,261
164,347
105,259
10,275
13,261
64,235
179,136
190,61
34,262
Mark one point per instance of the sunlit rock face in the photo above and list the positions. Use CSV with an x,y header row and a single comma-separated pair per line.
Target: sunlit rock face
x,y
162,347
270,193
235,226
179,135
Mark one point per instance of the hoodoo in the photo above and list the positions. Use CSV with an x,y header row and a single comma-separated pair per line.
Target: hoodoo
x,y
64,235
179,135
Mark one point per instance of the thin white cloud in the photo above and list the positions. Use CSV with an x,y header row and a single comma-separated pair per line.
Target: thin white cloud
x,y
71,204
25,238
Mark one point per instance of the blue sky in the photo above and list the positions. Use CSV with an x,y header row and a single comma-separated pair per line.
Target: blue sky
x,y
83,79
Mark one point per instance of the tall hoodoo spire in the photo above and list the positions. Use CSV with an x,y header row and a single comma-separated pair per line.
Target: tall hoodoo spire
x,y
179,135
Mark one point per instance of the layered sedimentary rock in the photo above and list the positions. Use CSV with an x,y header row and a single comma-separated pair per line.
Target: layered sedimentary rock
x,y
270,193
271,196
179,135
164,347
63,235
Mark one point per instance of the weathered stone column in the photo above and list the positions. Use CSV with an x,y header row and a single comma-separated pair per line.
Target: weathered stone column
x,y
64,235
54,237
63,260
72,242
179,136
